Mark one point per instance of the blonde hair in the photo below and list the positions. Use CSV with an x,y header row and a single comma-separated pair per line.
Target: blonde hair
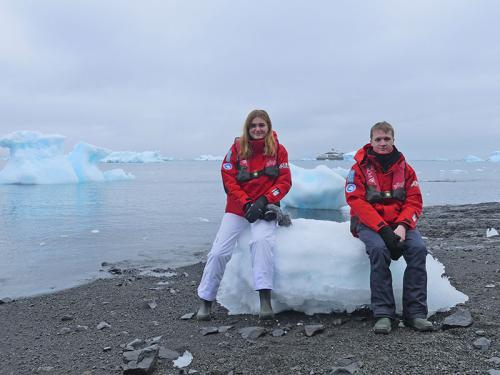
x,y
382,126
270,143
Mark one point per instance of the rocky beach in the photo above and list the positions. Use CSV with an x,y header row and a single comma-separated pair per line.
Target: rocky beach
x,y
134,324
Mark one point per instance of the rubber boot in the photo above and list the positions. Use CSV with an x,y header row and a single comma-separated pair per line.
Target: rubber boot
x,y
419,324
266,310
383,326
204,310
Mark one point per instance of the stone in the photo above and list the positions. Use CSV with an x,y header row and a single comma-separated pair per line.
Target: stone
x,y
153,340
152,305
135,344
494,360
489,286
167,354
338,321
251,333
353,368
66,318
103,325
312,329
459,319
209,330
492,371
44,369
278,332
130,356
5,300
80,328
482,344
224,329
106,349
187,316
145,363
480,332
64,331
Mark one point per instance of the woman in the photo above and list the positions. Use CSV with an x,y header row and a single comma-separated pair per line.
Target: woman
x,y
255,173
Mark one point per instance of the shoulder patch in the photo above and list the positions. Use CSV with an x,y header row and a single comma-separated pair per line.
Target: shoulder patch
x,y
350,188
414,183
227,166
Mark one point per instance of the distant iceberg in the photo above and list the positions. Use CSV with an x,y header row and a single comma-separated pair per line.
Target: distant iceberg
x,y
495,157
472,159
37,158
318,188
209,158
349,156
135,157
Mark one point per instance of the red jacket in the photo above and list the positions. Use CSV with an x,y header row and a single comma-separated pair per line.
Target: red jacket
x,y
388,211
274,188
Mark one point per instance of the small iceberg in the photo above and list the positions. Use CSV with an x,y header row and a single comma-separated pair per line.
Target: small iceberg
x,y
491,232
209,158
320,268
37,158
495,157
472,159
135,157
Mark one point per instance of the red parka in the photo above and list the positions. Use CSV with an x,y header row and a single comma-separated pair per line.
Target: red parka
x,y
240,193
388,211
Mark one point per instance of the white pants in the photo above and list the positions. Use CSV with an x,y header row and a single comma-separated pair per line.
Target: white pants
x,y
261,247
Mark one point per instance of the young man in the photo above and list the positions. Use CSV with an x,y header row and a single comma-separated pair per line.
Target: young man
x,y
383,193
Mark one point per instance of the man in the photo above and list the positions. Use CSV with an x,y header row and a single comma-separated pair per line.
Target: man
x,y
383,193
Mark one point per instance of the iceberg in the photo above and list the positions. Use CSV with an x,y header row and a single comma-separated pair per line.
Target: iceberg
x,y
495,157
349,156
317,188
321,268
208,158
37,158
135,157
472,159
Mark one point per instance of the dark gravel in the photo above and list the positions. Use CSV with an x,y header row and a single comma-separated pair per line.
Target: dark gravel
x,y
456,235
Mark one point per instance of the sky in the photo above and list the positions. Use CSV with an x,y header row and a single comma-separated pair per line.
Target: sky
x,y
181,76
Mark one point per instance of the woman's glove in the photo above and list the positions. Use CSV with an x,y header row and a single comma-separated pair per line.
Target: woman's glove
x,y
256,210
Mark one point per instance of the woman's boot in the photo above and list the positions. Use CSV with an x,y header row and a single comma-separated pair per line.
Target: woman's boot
x,y
266,310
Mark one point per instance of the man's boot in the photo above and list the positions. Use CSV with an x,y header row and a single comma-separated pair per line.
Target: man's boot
x,y
204,310
383,326
419,324
266,310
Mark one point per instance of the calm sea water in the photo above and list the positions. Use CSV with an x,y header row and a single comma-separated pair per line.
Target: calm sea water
x,y
56,236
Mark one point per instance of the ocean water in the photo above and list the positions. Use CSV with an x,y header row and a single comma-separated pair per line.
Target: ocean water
x,y
56,236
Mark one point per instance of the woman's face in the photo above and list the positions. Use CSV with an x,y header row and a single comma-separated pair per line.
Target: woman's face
x,y
258,128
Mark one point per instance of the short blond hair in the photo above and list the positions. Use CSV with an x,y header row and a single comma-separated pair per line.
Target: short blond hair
x,y
382,126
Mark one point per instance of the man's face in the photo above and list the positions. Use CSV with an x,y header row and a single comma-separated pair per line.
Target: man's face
x,y
382,143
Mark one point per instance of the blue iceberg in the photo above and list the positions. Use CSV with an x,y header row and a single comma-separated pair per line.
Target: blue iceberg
x,y
37,158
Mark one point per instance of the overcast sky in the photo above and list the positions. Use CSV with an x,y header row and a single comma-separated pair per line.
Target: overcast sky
x,y
181,76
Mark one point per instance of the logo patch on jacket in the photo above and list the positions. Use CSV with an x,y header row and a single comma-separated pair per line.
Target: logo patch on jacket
x,y
414,183
350,188
276,192
283,165
227,166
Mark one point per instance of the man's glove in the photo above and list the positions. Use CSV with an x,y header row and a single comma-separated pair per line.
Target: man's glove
x,y
393,243
256,210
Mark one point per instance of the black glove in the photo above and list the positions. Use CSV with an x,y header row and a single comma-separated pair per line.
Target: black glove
x,y
256,210
393,243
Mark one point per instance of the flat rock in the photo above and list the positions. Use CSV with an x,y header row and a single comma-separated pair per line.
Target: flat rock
x,y
251,333
353,368
209,330
135,344
278,332
187,316
312,329
103,325
494,360
223,329
492,371
459,319
165,353
5,300
145,362
64,331
482,343
66,318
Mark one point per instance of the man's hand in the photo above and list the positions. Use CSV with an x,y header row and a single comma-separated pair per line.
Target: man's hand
x,y
393,242
256,210
401,232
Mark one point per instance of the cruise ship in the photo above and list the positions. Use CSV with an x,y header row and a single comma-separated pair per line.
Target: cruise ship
x,y
331,155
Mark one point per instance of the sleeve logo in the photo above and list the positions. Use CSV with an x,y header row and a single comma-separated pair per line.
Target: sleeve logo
x,y
227,166
350,188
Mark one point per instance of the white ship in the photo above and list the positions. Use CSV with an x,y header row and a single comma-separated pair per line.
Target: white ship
x,y
331,155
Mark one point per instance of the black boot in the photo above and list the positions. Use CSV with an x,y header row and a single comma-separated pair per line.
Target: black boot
x,y
204,310
266,310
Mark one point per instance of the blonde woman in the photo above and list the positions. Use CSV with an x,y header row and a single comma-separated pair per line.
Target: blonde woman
x,y
255,173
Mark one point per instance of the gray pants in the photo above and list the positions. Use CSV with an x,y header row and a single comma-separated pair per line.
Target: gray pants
x,y
414,279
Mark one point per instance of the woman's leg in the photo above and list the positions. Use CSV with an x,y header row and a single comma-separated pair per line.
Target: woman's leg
x,y
222,249
262,251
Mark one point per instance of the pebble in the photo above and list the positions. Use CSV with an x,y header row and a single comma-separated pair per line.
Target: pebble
x,y
251,333
103,325
224,329
312,329
482,343
494,360
278,332
64,331
187,316
461,318
209,330
66,318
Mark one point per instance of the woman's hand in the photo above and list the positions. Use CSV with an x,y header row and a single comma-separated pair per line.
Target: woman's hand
x,y
256,210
